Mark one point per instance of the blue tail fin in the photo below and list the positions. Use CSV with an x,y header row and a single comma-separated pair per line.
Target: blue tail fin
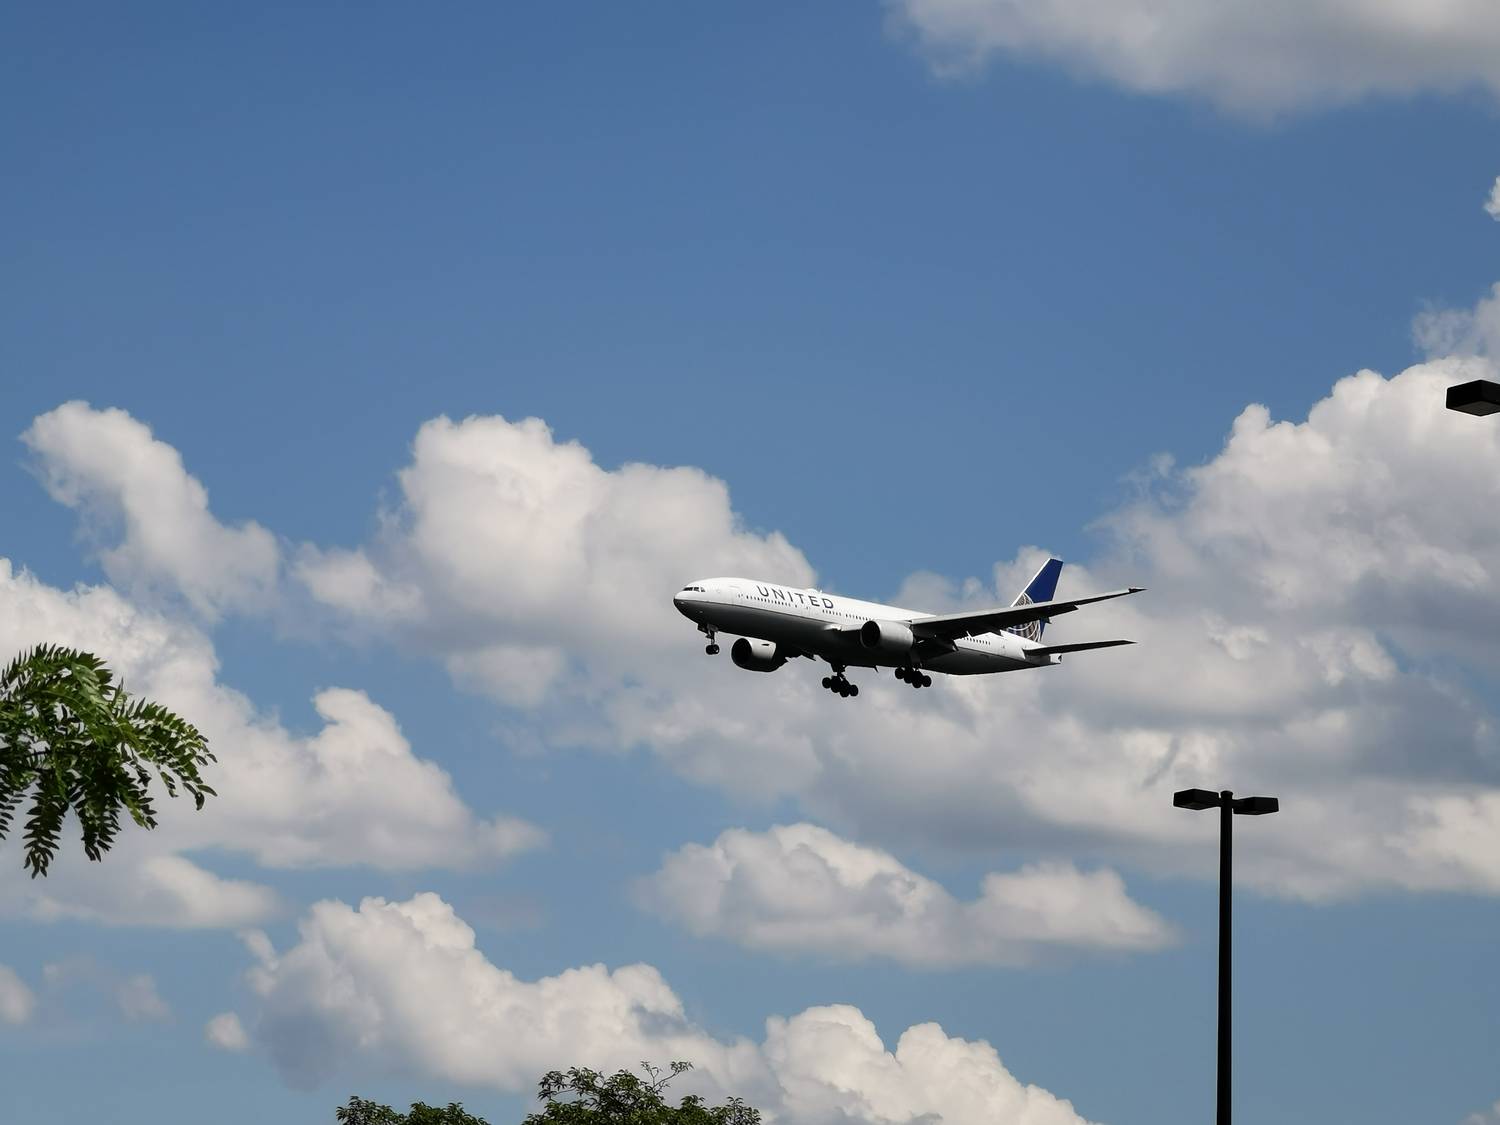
x,y
1041,588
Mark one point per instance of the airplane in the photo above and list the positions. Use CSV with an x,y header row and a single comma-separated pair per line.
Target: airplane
x,y
777,623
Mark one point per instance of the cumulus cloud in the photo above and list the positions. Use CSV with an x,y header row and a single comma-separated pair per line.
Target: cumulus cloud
x,y
226,1033
352,793
1492,204
801,889
138,884
108,465
1317,619
1254,58
17,1002
515,552
1310,587
832,1067
402,985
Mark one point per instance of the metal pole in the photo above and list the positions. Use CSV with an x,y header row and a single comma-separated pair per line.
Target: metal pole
x,y
1226,882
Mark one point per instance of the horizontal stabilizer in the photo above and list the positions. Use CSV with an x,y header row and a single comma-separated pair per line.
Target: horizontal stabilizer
x,y
1051,650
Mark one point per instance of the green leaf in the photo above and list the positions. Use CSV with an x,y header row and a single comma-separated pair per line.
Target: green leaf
x,y
73,741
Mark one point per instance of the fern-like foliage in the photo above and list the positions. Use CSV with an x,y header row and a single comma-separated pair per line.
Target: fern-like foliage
x,y
71,739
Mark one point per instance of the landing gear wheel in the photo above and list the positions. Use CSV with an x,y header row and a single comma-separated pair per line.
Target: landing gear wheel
x,y
925,681
901,673
711,649
840,686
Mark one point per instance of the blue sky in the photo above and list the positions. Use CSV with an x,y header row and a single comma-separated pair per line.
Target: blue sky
x,y
915,295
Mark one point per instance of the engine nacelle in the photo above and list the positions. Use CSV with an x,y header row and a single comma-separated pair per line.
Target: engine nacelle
x,y
757,656
888,636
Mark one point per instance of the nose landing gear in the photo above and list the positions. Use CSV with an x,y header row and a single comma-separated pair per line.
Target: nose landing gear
x,y
916,678
708,631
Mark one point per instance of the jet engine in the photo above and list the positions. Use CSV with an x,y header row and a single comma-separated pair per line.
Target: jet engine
x,y
888,636
757,656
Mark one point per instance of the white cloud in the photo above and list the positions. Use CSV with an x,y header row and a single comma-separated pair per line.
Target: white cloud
x,y
511,549
402,985
1468,332
405,983
801,889
353,793
831,1066
1254,58
348,581
107,464
226,1033
1317,613
139,1002
17,1002
1492,204
138,883
1310,590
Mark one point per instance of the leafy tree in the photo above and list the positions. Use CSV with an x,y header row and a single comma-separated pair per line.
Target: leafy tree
x,y
624,1099
72,739
362,1112
578,1097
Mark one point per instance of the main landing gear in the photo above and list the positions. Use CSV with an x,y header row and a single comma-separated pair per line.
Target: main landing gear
x,y
838,684
915,678
711,648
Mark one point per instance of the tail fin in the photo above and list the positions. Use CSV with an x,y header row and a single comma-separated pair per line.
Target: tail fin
x,y
1041,588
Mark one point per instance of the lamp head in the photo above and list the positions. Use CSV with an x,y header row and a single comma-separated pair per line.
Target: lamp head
x,y
1196,799
1479,397
1256,806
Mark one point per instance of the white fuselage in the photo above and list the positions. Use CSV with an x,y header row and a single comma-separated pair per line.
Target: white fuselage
x,y
827,626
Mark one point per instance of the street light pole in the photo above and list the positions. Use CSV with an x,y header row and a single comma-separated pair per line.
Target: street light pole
x,y
1226,940
1228,807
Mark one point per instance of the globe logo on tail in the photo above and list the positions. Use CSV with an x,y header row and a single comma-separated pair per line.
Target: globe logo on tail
x,y
1030,630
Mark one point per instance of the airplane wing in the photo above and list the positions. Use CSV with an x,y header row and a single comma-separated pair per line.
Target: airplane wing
x,y
947,626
